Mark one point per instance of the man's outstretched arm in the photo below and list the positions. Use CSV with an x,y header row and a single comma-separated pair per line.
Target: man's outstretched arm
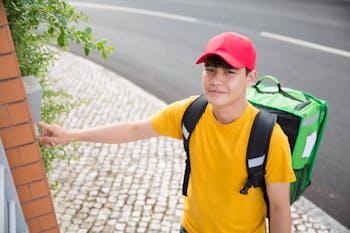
x,y
112,134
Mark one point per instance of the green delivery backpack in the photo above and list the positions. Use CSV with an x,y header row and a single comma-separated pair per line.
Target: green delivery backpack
x,y
303,119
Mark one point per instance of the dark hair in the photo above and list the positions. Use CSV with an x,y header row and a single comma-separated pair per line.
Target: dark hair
x,y
217,61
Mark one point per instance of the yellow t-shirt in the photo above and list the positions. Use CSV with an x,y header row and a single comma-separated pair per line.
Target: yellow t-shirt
x,y
218,170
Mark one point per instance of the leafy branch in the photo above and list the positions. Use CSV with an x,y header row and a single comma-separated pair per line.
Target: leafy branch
x,y
34,25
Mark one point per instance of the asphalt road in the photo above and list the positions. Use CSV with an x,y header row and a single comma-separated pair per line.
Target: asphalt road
x,y
157,42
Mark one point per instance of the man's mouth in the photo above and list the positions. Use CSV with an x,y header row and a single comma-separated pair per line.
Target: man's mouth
x,y
214,91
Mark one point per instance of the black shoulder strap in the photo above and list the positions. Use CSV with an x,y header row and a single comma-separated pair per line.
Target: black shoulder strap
x,y
189,120
258,146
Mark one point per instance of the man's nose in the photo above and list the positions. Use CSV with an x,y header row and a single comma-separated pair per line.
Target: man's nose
x,y
218,77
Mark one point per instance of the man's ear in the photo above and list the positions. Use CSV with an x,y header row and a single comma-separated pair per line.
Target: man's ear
x,y
251,77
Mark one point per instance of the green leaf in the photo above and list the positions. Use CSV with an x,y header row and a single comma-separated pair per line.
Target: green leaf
x,y
104,55
87,31
51,30
86,50
110,49
60,40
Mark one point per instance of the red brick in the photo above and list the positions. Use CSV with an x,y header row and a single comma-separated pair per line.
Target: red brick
x,y
13,114
47,221
33,226
39,189
28,173
54,230
37,208
19,113
24,193
3,19
4,116
13,157
30,153
9,66
6,45
16,136
11,90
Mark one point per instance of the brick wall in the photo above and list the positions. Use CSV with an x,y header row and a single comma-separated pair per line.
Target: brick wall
x,y
18,137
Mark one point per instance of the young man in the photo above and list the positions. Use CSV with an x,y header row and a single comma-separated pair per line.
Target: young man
x,y
218,146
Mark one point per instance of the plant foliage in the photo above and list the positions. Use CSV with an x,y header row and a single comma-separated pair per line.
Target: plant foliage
x,y
34,25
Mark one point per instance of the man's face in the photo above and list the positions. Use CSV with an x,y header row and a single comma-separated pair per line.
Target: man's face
x,y
225,86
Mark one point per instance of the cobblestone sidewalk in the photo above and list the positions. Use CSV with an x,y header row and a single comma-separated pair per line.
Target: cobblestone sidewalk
x,y
132,187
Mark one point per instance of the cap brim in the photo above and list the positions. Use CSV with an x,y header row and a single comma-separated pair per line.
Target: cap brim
x,y
234,63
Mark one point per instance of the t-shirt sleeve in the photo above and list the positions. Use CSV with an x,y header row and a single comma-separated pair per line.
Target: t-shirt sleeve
x,y
279,160
167,122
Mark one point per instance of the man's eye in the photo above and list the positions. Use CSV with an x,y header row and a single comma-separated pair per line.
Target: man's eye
x,y
231,71
209,69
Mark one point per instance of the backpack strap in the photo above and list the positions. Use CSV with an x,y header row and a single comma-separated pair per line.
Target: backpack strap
x,y
189,120
258,147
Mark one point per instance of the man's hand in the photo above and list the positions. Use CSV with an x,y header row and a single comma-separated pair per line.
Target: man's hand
x,y
53,134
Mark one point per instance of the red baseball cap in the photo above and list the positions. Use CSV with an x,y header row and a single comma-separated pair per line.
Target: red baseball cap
x,y
235,49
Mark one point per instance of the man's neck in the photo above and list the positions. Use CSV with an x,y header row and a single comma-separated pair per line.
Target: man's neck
x,y
228,114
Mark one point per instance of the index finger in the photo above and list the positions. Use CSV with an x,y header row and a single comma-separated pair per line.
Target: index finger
x,y
44,125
